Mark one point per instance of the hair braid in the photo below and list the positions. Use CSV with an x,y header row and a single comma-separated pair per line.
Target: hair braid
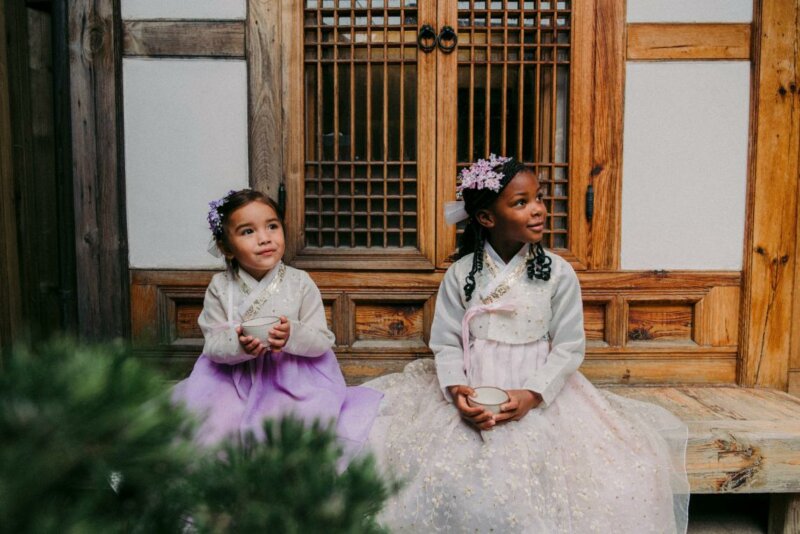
x,y
477,261
539,263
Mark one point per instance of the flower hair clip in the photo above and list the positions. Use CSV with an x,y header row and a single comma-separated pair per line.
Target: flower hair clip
x,y
481,174
214,219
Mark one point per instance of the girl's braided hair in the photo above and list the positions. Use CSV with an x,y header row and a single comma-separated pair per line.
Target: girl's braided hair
x,y
473,239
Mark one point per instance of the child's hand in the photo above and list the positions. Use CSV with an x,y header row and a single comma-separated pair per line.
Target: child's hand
x,y
279,335
478,417
521,402
251,345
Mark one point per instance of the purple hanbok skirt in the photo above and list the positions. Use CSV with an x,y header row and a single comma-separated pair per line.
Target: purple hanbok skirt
x,y
235,399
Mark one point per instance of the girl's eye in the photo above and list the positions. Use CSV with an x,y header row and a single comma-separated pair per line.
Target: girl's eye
x,y
247,231
540,197
274,226
521,202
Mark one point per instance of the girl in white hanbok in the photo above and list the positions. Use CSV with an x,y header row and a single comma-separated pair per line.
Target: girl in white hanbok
x,y
560,456
239,380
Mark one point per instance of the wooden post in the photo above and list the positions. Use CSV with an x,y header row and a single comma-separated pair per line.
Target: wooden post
x,y
771,232
784,513
10,305
264,113
99,198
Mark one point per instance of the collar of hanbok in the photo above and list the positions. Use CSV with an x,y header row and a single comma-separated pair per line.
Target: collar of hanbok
x,y
501,275
256,292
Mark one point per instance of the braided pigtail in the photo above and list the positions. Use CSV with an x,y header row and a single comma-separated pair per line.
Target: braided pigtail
x,y
539,264
477,259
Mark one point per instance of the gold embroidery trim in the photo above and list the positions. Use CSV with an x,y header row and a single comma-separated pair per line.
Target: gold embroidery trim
x,y
509,282
267,293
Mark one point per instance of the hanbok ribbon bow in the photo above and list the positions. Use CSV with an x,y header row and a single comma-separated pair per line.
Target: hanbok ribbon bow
x,y
472,312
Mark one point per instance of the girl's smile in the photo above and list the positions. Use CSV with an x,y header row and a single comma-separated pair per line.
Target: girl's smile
x,y
254,236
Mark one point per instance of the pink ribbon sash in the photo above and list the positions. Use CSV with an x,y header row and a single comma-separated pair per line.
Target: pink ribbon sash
x,y
472,312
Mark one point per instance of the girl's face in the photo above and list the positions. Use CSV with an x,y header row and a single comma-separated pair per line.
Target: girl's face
x,y
254,236
517,216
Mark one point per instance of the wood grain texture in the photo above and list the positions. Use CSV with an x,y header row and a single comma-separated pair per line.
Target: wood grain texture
x,y
688,41
264,79
183,38
740,440
10,302
292,90
607,106
581,128
771,235
650,370
594,320
660,321
794,354
794,382
389,322
784,513
388,317
718,317
439,97
98,188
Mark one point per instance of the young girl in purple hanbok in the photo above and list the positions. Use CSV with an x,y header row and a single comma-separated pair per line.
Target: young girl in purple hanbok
x,y
239,381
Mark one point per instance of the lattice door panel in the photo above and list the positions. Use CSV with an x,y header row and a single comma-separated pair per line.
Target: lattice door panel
x,y
361,125
513,64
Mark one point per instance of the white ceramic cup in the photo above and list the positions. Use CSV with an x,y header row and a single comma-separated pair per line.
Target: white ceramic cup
x,y
488,397
260,326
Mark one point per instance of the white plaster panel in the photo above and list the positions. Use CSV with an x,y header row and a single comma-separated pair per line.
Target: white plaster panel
x,y
185,145
182,9
685,165
690,10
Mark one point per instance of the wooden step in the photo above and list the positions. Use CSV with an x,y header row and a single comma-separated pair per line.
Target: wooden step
x,y
741,440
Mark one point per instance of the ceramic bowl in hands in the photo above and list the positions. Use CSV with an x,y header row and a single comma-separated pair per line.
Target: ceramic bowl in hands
x,y
260,326
488,397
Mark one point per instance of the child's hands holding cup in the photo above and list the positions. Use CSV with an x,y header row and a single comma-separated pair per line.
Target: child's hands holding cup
x,y
257,336
279,334
520,402
481,418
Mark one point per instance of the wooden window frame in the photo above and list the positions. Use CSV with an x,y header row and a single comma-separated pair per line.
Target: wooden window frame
x,y
294,162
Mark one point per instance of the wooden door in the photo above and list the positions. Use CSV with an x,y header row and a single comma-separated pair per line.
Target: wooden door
x,y
361,190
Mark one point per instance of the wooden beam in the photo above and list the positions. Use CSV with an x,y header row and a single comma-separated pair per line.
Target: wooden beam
x,y
771,232
292,143
99,196
10,302
688,41
794,353
264,113
183,38
606,168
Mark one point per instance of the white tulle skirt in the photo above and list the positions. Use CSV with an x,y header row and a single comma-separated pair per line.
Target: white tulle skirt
x,y
592,461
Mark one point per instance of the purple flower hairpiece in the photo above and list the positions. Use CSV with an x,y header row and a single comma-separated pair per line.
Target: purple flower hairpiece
x,y
214,219
481,174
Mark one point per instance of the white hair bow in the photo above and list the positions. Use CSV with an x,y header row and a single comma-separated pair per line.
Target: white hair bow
x,y
454,212
213,248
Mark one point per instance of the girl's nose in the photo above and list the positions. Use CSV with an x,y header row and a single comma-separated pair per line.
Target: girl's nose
x,y
263,237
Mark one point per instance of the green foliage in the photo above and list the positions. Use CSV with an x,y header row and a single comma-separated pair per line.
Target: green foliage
x,y
289,483
74,419
69,417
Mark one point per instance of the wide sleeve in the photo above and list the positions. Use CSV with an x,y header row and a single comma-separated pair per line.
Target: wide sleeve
x,y
445,340
567,338
221,340
309,335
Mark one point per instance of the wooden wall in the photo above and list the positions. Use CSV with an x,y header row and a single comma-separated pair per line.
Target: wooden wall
x,y
642,327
